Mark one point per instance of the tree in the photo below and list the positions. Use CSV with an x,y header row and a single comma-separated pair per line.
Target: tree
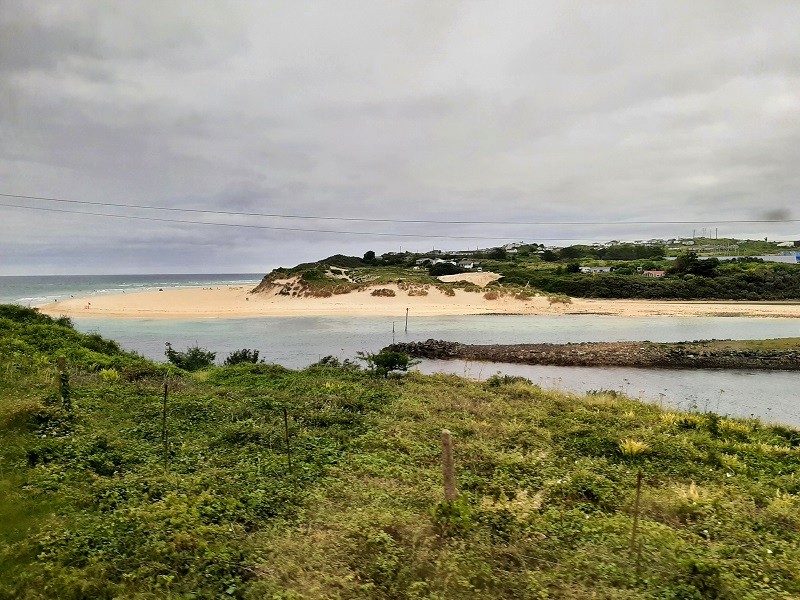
x,y
243,356
690,264
194,359
549,256
369,256
574,252
573,268
498,254
444,268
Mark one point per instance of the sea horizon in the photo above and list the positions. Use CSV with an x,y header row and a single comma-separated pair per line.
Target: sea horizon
x,y
35,290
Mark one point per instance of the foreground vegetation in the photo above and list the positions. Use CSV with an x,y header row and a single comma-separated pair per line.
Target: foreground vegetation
x,y
104,498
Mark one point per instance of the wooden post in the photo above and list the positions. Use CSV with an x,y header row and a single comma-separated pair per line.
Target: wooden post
x,y
635,530
286,433
639,560
164,432
61,365
63,383
450,492
406,320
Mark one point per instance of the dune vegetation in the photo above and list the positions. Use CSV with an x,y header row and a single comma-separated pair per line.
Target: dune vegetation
x,y
120,477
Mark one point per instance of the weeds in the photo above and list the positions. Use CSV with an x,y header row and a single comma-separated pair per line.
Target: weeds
x,y
546,483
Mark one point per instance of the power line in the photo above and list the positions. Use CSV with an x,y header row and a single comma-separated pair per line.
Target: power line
x,y
272,227
374,220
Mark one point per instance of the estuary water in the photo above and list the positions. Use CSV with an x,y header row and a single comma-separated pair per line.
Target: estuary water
x,y
296,342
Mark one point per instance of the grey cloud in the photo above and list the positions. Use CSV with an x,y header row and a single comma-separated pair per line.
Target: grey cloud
x,y
509,111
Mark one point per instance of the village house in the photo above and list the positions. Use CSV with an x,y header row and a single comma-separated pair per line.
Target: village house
x,y
653,273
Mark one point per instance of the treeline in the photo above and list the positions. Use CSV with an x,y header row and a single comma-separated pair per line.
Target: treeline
x,y
615,252
768,283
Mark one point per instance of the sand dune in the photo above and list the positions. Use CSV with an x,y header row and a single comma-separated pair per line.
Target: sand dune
x,y
238,302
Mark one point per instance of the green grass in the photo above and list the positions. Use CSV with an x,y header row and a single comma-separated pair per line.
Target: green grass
x,y
547,485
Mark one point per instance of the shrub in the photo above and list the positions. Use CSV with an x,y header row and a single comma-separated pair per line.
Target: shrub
x,y
244,355
386,361
332,362
444,268
632,448
491,295
194,359
559,299
109,375
499,379
383,292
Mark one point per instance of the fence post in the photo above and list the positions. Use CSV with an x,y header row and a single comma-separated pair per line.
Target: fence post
x,y
635,530
450,492
63,383
164,431
286,434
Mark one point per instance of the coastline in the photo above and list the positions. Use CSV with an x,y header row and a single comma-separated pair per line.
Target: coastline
x,y
236,301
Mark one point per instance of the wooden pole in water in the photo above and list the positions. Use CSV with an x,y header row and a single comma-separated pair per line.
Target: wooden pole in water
x,y
448,468
406,320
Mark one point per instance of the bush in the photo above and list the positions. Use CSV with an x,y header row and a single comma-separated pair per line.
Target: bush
x,y
238,357
194,359
499,379
386,361
383,292
444,268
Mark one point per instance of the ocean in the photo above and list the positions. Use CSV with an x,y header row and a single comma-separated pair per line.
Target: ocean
x,y
38,290
296,342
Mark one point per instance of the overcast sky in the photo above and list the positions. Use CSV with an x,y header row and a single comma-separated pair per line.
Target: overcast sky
x,y
475,111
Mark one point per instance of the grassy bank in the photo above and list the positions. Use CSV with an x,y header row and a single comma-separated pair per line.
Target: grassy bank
x,y
94,507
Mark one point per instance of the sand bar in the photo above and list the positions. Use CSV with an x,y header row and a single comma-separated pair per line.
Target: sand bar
x,y
238,302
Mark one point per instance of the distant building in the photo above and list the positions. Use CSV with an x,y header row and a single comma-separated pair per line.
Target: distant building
x,y
595,269
654,273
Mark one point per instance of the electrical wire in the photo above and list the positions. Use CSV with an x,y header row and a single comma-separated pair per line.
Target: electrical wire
x,y
272,227
375,220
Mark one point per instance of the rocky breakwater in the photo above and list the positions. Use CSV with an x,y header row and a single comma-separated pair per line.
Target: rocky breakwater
x,y
606,354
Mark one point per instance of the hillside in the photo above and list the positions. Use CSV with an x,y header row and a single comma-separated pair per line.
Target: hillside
x,y
105,497
624,271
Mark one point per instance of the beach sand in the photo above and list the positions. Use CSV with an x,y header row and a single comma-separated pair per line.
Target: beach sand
x,y
238,302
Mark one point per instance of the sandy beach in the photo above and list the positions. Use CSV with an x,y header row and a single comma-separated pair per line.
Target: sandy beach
x,y
238,302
